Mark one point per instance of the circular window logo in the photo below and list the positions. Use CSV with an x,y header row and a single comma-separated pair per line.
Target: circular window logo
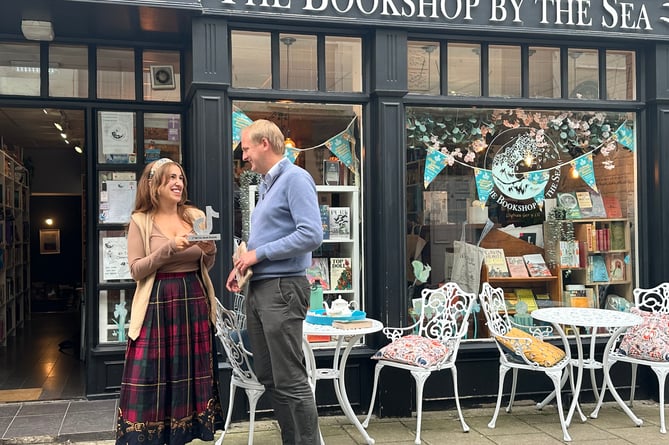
x,y
522,162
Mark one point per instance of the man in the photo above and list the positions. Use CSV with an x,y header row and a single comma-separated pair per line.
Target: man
x,y
285,229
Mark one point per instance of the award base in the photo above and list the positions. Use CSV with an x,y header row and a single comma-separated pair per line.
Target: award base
x,y
212,237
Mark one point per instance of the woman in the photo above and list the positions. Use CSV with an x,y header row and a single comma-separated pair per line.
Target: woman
x,y
169,389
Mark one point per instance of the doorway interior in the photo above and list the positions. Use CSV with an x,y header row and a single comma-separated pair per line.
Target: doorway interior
x,y
41,360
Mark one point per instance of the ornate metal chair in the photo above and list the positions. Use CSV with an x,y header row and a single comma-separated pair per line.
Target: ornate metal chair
x,y
229,331
429,345
646,344
521,350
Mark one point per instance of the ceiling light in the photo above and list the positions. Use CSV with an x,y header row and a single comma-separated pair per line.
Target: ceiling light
x,y
58,126
37,30
48,221
289,143
63,135
78,149
67,142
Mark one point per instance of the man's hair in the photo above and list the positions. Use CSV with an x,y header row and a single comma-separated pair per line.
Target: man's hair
x,y
263,128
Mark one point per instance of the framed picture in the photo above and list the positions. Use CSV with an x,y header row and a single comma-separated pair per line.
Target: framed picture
x,y
49,241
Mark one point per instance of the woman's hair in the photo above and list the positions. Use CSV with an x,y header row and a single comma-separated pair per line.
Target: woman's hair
x,y
154,176
263,128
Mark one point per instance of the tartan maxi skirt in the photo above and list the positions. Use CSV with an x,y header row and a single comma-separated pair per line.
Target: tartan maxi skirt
x,y
169,391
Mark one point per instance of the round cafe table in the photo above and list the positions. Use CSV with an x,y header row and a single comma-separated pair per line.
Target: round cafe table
x,y
591,318
346,339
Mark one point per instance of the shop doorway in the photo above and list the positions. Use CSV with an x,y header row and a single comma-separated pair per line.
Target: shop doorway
x,y
42,357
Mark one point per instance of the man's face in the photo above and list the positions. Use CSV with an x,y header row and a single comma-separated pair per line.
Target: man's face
x,y
255,153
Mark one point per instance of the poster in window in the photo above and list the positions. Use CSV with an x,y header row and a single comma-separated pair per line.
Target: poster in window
x,y
117,200
117,132
115,259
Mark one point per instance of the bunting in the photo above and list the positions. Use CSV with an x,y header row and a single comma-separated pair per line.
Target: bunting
x,y
624,135
484,184
435,161
239,121
340,146
586,170
538,177
291,153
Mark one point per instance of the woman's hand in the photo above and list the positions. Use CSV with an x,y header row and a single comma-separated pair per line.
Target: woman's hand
x,y
208,247
182,243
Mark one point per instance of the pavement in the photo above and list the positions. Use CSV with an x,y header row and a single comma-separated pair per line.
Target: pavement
x,y
93,422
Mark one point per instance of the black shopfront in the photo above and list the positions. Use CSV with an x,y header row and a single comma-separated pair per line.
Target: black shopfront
x,y
374,68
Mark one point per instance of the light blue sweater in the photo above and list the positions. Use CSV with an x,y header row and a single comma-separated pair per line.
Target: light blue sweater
x,y
286,223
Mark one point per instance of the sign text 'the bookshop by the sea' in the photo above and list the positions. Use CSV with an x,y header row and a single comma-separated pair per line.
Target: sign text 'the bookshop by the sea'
x,y
631,18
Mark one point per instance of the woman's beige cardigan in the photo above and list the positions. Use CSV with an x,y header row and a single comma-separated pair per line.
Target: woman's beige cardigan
x,y
140,302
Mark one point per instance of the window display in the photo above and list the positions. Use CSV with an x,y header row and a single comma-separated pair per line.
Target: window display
x,y
554,187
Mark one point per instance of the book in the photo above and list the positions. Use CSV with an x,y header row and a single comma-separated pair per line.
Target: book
x,y
330,172
319,270
596,209
616,266
352,324
495,262
325,220
612,206
598,270
341,274
569,202
584,201
516,266
536,265
526,295
339,222
543,300
617,235
569,254
241,279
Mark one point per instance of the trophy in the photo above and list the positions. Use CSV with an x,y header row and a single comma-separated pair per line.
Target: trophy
x,y
203,226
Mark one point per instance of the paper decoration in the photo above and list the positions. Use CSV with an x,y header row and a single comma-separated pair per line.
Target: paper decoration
x,y
291,153
239,122
625,136
340,146
435,162
484,184
586,171
538,177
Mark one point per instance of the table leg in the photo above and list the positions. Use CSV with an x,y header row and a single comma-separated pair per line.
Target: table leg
x,y
607,381
340,389
579,379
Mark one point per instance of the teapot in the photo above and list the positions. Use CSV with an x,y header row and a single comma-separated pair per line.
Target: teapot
x,y
339,307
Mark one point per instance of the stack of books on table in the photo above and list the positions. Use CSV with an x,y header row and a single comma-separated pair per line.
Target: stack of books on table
x,y
352,324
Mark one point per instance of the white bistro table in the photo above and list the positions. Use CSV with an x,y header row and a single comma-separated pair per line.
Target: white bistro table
x,y
346,339
585,318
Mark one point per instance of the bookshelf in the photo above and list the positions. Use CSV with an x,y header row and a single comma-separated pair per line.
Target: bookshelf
x,y
606,241
14,246
338,196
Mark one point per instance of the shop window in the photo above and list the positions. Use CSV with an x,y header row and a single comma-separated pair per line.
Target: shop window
x,y
114,315
583,73
20,69
544,72
251,59
298,65
116,73
423,65
162,137
117,137
504,68
620,75
464,69
161,72
343,64
68,71
551,182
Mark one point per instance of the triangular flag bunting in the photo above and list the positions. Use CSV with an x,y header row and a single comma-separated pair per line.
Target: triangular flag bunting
x,y
625,136
435,161
291,153
586,171
239,121
484,184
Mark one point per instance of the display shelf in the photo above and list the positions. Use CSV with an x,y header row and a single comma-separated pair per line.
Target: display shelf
x,y
14,246
343,196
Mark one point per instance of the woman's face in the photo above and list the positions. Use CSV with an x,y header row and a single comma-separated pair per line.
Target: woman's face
x,y
173,184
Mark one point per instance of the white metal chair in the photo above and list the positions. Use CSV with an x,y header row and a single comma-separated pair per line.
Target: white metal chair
x,y
230,333
515,351
637,344
429,345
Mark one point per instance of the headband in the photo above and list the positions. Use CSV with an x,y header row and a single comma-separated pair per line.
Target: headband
x,y
156,165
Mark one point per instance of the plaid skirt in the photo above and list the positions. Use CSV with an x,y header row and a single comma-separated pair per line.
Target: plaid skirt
x,y
169,389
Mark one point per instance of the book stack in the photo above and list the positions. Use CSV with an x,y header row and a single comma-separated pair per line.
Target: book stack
x,y
516,265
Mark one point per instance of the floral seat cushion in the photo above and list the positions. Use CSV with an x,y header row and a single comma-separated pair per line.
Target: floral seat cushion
x,y
414,350
650,339
538,351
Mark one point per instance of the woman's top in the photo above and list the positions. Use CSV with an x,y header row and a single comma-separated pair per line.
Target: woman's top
x,y
149,251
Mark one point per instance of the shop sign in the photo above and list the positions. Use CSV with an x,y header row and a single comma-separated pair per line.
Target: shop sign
x,y
628,18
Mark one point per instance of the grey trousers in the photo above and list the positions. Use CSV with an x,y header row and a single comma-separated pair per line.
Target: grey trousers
x,y
275,310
